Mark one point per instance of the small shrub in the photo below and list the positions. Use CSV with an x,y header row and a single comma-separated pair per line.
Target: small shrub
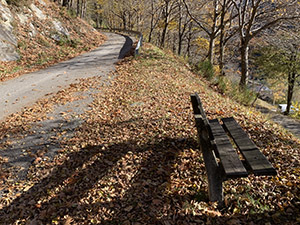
x,y
244,96
44,42
72,13
65,41
233,90
22,45
223,83
206,68
296,109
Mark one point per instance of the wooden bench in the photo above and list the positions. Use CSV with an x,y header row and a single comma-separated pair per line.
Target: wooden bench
x,y
221,159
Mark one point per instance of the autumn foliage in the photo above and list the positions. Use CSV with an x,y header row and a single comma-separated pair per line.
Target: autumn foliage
x,y
135,159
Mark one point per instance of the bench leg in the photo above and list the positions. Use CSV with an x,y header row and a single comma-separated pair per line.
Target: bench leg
x,y
215,178
215,188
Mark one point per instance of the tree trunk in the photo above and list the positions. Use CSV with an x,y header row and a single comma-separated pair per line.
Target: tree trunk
x,y
174,42
81,8
166,24
65,3
221,62
179,44
244,64
189,40
222,38
213,34
180,32
164,33
150,34
291,85
151,28
124,23
77,8
211,49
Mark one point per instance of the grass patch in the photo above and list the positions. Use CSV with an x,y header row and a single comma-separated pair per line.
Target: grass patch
x,y
206,69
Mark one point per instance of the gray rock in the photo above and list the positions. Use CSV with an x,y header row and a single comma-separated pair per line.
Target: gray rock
x,y
23,18
38,12
56,37
59,28
137,104
7,36
3,2
8,43
33,31
6,17
8,52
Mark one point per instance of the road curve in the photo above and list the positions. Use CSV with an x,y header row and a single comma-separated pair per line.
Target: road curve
x,y
27,89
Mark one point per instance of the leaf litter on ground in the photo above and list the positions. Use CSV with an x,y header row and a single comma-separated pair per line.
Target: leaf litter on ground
x,y
135,158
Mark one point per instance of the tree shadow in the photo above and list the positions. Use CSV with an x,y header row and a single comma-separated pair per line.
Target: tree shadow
x,y
60,193
147,200
40,141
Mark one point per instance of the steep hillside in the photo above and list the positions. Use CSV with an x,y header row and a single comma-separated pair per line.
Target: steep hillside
x,y
135,159
40,33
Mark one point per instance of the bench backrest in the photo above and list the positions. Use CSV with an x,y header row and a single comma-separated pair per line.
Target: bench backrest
x,y
213,136
200,113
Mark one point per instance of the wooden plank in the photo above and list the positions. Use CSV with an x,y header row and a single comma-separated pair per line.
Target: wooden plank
x,y
229,158
253,157
215,177
195,103
197,107
198,110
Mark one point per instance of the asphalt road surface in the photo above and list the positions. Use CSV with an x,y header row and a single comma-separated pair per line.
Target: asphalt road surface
x,y
27,89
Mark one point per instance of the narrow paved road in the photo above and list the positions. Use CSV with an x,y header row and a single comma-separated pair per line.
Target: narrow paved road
x,y
27,89
286,122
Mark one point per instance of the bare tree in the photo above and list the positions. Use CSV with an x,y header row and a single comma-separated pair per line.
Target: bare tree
x,y
183,23
167,10
155,15
212,17
280,58
254,16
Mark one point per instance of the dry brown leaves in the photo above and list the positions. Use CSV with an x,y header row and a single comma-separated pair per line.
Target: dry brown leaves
x,y
135,158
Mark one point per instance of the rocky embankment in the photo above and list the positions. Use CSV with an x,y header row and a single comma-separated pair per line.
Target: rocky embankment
x,y
37,33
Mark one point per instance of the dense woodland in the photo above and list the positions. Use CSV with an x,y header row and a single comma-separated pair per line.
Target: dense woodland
x,y
220,33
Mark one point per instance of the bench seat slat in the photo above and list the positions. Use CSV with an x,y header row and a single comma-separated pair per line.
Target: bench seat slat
x,y
253,157
232,165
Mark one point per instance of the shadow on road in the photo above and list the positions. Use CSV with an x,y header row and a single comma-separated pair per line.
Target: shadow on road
x,y
126,47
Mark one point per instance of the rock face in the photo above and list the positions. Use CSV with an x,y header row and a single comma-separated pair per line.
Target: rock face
x,y
7,49
8,41
38,13
26,17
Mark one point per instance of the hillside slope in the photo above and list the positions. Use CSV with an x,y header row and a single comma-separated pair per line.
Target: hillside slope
x,y
38,34
135,159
